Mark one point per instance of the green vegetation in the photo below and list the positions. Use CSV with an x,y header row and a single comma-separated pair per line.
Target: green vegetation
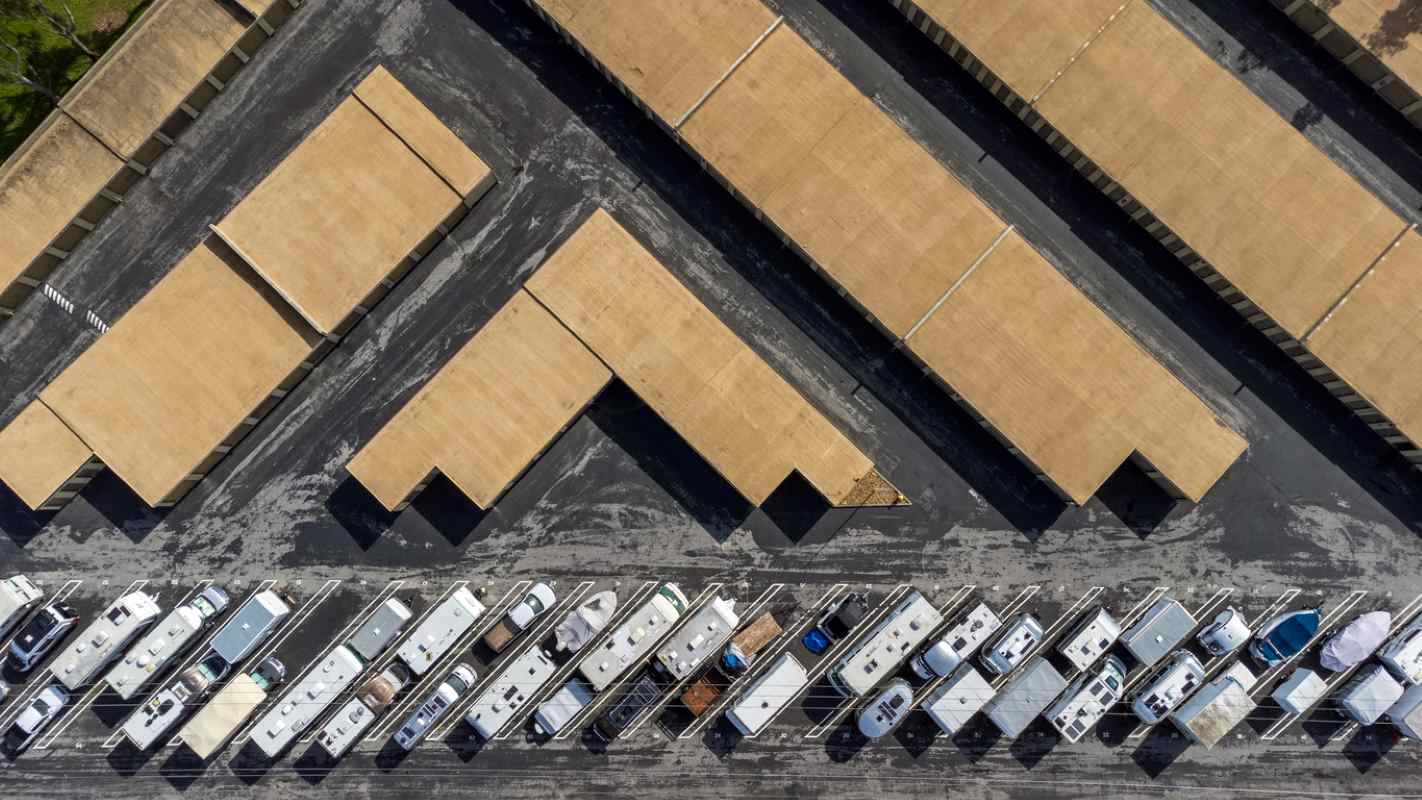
x,y
45,47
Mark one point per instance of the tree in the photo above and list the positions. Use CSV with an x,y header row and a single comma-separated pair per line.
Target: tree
x,y
63,23
15,68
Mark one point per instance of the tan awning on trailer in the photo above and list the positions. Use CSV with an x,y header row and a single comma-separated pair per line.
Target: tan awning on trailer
x,y
351,203
602,306
39,454
157,63
178,373
488,412
43,185
1064,383
890,225
1385,28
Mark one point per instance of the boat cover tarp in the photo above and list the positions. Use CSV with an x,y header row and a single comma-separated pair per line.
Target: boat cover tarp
x,y
1356,641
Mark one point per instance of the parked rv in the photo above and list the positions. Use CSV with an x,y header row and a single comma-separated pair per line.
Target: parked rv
x,y
218,721
44,630
380,629
962,639
1225,634
1369,695
633,699
430,712
767,695
18,595
880,654
538,600
699,637
167,640
1088,699
954,703
1023,699
1300,692
37,715
306,699
249,626
887,710
1403,654
836,623
439,631
1163,627
1406,713
1168,687
510,692
1284,637
1090,639
560,709
353,719
1215,710
161,712
105,639
1018,638
634,638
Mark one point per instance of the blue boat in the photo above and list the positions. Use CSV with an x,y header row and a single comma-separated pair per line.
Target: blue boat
x,y
1285,637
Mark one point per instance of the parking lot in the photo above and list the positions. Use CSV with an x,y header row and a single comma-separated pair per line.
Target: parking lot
x,y
1316,513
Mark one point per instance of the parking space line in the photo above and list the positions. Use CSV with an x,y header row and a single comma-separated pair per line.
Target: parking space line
x,y
351,627
1273,608
1020,601
561,676
1208,607
1337,612
440,669
608,693
501,661
1049,633
1401,620
788,635
1139,609
848,703
193,657
751,611
304,613
44,677
1343,732
875,616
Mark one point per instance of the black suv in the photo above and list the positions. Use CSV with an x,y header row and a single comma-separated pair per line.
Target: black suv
x,y
40,635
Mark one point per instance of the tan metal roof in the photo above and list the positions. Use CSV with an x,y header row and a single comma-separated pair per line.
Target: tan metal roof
x,y
157,63
1387,29
49,180
1373,339
723,399
892,226
347,206
178,373
1064,383
39,454
488,412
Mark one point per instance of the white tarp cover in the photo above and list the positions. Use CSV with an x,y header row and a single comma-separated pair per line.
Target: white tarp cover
x,y
1356,642
584,622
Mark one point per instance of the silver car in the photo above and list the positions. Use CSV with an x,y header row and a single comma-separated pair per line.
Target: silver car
x,y
1010,648
37,716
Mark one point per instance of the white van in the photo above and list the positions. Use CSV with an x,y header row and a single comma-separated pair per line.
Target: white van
x,y
18,595
1090,639
1403,655
439,631
770,693
105,639
249,626
951,705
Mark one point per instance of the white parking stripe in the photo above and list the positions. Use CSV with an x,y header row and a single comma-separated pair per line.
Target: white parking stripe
x,y
1208,607
828,659
599,700
1274,608
561,677
1020,601
1139,609
788,635
1061,621
1353,598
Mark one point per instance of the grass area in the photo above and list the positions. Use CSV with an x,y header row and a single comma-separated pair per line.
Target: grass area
x,y
59,63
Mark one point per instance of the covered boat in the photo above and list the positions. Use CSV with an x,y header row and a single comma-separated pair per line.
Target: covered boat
x,y
1358,640
585,621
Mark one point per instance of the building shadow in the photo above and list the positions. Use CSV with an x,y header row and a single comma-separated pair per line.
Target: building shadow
x,y
122,508
666,458
797,509
17,521
448,510
1136,500
755,253
357,510
1263,370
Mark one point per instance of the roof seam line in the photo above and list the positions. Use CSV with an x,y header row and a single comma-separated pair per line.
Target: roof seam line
x,y
727,75
67,426
266,279
417,154
92,134
961,278
1343,298
1074,56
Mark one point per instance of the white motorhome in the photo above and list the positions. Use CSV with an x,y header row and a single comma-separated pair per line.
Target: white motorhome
x,y
957,644
306,699
1088,699
249,626
770,693
510,692
18,595
169,638
877,656
1159,631
438,631
953,704
1169,687
634,638
377,632
1090,640
1403,655
352,720
702,635
105,639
